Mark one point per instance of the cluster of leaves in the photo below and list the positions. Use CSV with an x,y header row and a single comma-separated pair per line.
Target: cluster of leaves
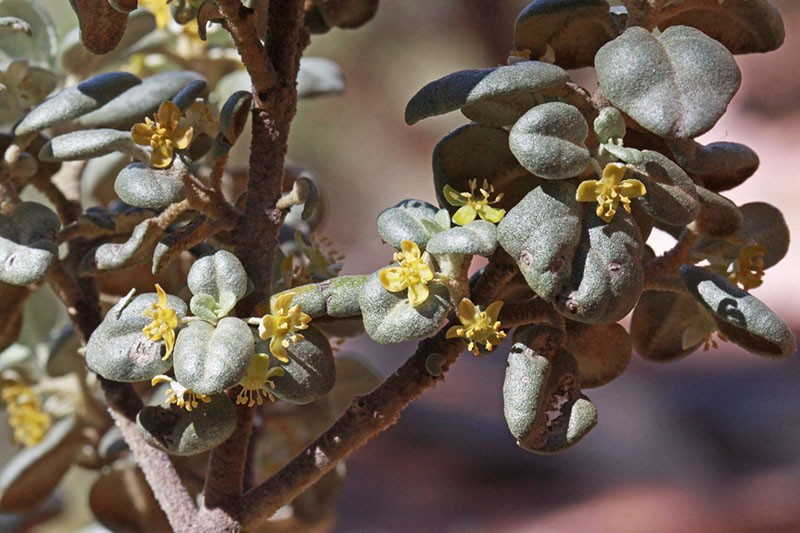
x,y
563,209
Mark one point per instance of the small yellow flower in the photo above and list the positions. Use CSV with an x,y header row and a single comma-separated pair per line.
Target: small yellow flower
x,y
610,190
282,325
471,206
413,274
25,415
179,395
748,269
164,322
257,383
167,133
478,327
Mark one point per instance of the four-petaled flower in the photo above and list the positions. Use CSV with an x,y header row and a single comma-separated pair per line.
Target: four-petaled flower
x,y
478,327
282,325
748,269
179,395
167,133
472,206
610,190
164,322
413,274
256,384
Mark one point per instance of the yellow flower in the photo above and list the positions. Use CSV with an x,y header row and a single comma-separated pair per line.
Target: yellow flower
x,y
179,395
472,207
167,133
478,327
282,325
610,190
159,9
25,415
413,274
258,378
164,322
748,269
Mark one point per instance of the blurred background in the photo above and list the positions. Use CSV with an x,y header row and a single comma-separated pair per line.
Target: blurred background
x,y
709,442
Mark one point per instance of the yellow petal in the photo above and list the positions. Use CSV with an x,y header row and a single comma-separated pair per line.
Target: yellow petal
x,y
492,214
141,134
281,303
467,312
417,294
453,332
161,156
277,349
614,172
168,115
452,196
410,249
464,215
588,191
493,311
632,188
392,279
169,342
424,270
183,137
268,327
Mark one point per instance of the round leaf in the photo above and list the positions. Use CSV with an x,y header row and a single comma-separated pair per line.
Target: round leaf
x,y
476,238
220,276
409,220
602,351
675,85
310,372
549,141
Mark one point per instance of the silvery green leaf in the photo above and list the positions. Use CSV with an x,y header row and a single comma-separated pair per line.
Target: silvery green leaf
x,y
140,185
718,217
31,476
569,31
609,124
220,276
549,141
718,166
602,351
118,349
671,194
232,119
140,101
137,249
390,318
76,101
87,144
475,152
41,45
675,85
542,400
184,433
404,222
743,26
659,323
310,372
495,96
209,359
205,306
28,243
336,297
476,238
607,273
191,92
542,234
319,77
740,316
